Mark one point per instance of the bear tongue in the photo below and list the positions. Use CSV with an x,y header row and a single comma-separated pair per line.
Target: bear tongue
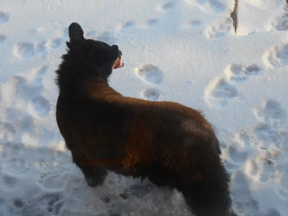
x,y
119,64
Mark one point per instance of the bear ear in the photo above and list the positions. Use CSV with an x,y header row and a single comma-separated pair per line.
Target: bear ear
x,y
75,32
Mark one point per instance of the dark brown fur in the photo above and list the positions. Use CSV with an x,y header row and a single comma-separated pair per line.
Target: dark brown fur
x,y
168,143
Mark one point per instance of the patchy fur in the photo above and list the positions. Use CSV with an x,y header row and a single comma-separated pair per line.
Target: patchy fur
x,y
168,143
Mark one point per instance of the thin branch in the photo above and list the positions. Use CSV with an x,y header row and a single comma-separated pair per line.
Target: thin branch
x,y
234,15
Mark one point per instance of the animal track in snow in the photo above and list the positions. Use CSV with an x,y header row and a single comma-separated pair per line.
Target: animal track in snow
x,y
237,155
220,92
151,94
18,203
152,22
40,47
51,204
18,91
241,194
165,7
223,89
7,130
270,112
53,183
10,150
128,25
4,17
150,74
2,38
266,135
209,6
267,167
192,24
219,30
24,50
195,23
24,89
237,73
41,105
280,23
140,190
9,182
277,56
55,43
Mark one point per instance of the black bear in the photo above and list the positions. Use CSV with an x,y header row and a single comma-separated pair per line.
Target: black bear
x,y
168,143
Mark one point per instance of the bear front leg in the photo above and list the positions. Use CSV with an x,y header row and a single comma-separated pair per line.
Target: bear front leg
x,y
94,175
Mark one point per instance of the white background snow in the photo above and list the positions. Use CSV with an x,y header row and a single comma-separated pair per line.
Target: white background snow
x,y
177,50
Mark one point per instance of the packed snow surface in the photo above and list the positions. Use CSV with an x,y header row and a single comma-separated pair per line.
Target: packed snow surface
x,y
184,51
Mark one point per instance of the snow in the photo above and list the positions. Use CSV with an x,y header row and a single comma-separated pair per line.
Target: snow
x,y
184,51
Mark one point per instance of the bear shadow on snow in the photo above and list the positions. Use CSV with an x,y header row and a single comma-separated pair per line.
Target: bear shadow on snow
x,y
168,143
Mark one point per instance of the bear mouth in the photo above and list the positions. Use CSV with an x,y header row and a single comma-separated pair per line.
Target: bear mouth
x,y
118,63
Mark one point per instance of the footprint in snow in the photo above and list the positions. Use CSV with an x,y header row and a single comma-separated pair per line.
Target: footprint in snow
x,y
165,7
150,74
2,38
219,30
140,190
55,43
282,193
7,131
270,112
4,17
18,203
267,170
276,57
49,204
195,23
40,46
24,50
9,182
18,89
128,25
41,105
192,24
220,92
237,154
151,94
266,135
241,194
53,183
280,23
237,73
152,22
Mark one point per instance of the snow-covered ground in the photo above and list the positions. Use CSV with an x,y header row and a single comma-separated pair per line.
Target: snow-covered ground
x,y
178,50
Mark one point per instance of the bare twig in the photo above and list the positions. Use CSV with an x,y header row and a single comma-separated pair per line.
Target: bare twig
x,y
234,15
